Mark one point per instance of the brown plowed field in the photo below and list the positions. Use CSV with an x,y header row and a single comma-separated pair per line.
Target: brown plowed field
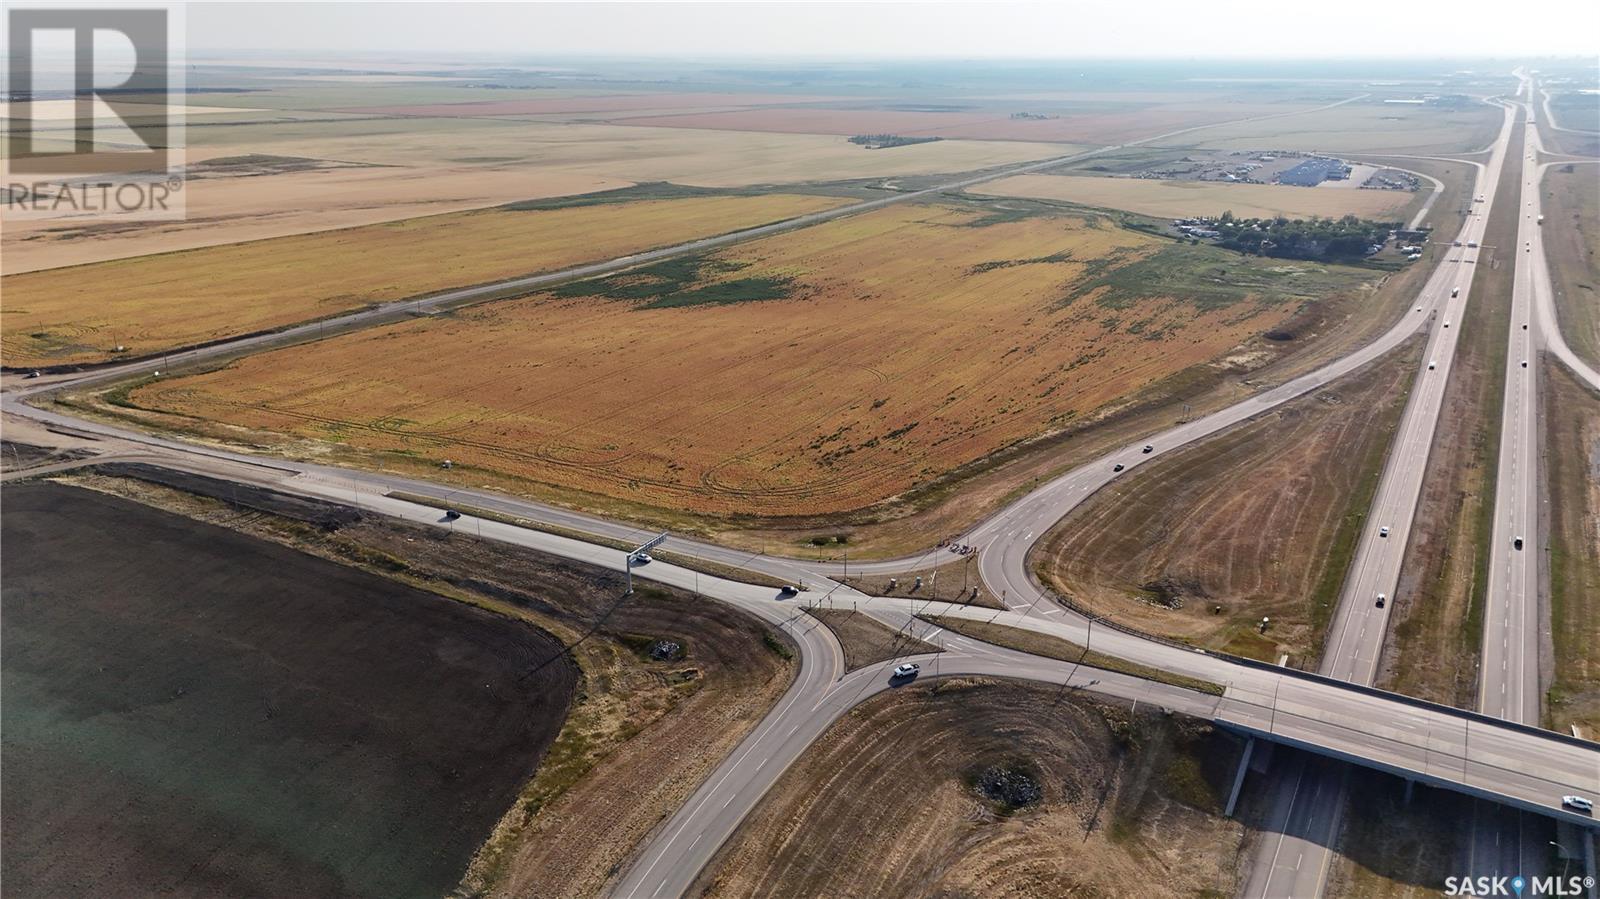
x,y
194,712
152,303
883,804
1254,520
884,350
641,733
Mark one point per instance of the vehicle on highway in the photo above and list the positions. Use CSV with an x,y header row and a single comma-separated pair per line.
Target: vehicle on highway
x,y
1447,323
1118,467
909,669
31,375
1432,364
1516,542
642,559
789,590
1148,448
1455,291
1383,531
1524,363
1577,802
451,514
1381,600
1524,326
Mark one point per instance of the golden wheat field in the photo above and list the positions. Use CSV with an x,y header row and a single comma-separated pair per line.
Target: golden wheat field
x,y
815,371
150,303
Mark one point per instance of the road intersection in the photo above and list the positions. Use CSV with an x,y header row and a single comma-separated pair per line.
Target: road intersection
x,y
1431,743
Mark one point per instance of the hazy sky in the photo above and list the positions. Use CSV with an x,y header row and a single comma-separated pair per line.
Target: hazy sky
x,y
1079,29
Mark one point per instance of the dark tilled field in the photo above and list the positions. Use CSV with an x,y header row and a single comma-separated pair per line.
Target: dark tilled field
x,y
192,711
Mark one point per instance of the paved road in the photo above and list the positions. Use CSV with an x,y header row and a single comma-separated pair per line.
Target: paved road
x,y
1295,857
1426,742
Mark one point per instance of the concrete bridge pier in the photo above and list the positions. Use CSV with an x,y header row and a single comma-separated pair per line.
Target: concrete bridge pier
x,y
1238,777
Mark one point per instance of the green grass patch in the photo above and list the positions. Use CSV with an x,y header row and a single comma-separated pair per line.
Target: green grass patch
x,y
651,190
682,281
1210,278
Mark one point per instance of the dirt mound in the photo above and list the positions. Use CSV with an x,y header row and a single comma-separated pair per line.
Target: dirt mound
x,y
1174,592
1010,786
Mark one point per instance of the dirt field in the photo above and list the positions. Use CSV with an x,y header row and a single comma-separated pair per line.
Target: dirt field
x,y
867,642
1179,199
1126,799
1362,127
1258,521
180,299
1436,619
1571,416
1571,240
264,722
808,373
599,789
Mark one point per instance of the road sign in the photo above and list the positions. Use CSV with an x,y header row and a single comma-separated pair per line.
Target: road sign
x,y
627,563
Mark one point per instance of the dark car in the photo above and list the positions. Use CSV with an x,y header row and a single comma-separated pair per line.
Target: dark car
x,y
1118,467
1148,448
451,514
789,590
1516,542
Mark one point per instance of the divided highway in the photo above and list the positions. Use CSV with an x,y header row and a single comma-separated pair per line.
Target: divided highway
x,y
1427,742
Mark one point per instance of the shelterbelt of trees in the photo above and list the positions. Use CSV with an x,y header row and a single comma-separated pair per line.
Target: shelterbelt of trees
x,y
1348,237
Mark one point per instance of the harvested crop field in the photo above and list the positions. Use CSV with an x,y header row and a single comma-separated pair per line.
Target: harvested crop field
x,y
662,100
997,123
265,202
191,711
396,168
1362,127
1179,199
816,371
1102,799
1259,520
153,303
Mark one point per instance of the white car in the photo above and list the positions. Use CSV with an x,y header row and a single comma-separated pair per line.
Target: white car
x,y
1447,323
1577,802
1455,291
1432,363
1383,531
642,559
1381,600
909,669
